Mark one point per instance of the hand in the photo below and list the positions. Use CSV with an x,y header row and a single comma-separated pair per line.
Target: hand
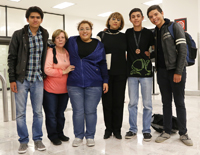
x,y
68,69
13,87
177,78
105,88
147,53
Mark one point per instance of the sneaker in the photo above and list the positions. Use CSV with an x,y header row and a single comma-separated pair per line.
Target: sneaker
x,y
77,142
130,135
186,140
39,145
147,137
22,148
63,138
163,136
56,141
90,142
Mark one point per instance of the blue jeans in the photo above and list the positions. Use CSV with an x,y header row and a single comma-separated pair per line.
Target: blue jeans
x,y
36,96
84,103
54,107
146,89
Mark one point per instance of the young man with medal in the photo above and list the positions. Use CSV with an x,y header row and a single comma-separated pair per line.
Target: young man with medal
x,y
139,40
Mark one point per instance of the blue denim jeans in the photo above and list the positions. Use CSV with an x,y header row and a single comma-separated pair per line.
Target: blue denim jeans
x,y
146,89
54,107
84,103
36,96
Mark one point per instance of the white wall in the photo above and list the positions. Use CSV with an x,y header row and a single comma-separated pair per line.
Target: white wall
x,y
170,11
199,15
198,43
16,20
71,23
2,23
174,9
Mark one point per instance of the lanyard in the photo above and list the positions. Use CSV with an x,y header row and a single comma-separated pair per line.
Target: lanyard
x,y
137,41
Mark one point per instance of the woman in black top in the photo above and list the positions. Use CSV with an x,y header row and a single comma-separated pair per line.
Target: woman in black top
x,y
115,47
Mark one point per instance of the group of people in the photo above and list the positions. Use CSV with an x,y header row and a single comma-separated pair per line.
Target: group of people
x,y
85,69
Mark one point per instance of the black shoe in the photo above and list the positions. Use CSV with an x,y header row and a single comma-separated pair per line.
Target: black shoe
x,y
130,135
147,137
63,138
118,136
107,135
56,141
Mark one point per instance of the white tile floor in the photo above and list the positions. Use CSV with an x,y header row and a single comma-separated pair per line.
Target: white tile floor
x,y
136,146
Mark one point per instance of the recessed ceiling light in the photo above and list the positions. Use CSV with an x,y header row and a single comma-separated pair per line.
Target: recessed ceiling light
x,y
106,14
154,2
63,5
15,0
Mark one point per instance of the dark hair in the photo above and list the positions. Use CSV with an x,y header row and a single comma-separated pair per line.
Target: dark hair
x,y
118,16
34,9
55,61
85,22
154,7
135,10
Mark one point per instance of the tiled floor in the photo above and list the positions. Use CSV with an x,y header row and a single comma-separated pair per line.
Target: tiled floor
x,y
136,146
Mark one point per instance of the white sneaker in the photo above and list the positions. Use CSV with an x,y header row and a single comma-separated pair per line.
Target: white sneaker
x,y
90,142
77,142
186,140
162,137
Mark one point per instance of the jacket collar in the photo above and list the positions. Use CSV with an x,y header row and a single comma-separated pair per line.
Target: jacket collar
x,y
26,27
75,37
167,21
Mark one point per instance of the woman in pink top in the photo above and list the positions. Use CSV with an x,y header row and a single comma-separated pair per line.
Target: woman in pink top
x,y
57,67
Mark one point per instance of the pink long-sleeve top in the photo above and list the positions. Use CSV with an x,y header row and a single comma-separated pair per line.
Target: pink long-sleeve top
x,y
56,82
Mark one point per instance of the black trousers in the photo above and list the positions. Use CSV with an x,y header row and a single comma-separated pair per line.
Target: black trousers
x,y
113,103
168,89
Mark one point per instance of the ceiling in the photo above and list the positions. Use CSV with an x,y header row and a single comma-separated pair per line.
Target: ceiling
x,y
86,8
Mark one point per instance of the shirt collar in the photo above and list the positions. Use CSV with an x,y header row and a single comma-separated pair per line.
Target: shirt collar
x,y
30,33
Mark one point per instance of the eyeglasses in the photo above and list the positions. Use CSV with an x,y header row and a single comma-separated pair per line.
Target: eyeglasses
x,y
84,29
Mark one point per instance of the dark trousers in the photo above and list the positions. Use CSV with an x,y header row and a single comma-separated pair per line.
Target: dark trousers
x,y
54,106
168,89
113,103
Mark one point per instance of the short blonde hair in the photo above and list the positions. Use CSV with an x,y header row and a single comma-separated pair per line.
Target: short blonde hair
x,y
57,33
85,22
118,16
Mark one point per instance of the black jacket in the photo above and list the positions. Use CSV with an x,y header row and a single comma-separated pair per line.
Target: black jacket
x,y
18,54
175,51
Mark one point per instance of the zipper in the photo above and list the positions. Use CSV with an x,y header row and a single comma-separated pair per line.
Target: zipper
x,y
82,71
